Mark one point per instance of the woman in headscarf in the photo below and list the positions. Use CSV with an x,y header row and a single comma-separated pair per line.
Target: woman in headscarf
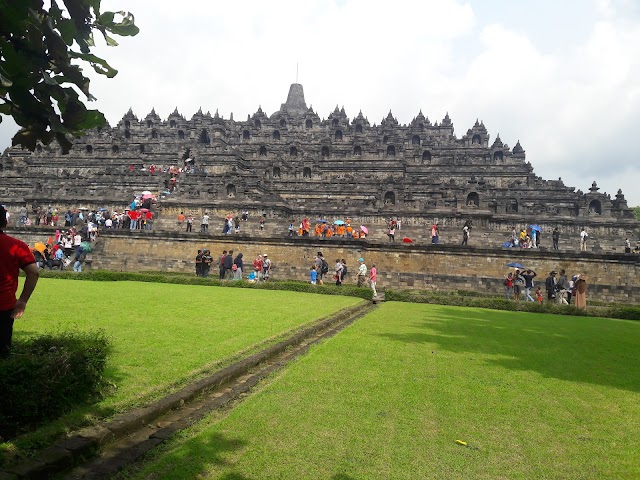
x,y
581,292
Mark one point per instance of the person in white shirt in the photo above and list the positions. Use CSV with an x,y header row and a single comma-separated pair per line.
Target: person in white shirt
x,y
583,240
108,223
67,244
361,275
204,223
338,274
465,235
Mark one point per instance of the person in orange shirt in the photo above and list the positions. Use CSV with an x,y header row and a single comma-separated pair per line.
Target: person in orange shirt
x,y
356,234
340,230
180,220
349,231
317,231
329,232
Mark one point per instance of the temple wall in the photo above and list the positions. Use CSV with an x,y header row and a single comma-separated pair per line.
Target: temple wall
x,y
611,277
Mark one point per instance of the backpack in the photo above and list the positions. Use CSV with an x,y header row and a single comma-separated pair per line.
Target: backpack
x,y
324,268
550,283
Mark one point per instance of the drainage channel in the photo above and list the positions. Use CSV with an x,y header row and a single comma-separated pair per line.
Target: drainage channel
x,y
111,446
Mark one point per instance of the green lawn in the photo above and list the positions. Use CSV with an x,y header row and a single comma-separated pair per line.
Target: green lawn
x,y
534,395
164,333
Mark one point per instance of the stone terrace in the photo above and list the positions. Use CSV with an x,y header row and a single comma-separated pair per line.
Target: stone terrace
x,y
293,163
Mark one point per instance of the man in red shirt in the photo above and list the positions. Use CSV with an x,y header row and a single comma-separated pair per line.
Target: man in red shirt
x,y
14,255
134,215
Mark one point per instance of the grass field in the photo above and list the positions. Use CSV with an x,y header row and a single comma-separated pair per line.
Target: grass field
x,y
163,334
534,395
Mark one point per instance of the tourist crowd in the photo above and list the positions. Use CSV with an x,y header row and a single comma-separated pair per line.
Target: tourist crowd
x,y
321,268
65,248
528,237
136,217
232,267
559,288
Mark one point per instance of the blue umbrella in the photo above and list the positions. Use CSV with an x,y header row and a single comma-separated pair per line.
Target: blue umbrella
x,y
322,221
535,227
516,265
338,222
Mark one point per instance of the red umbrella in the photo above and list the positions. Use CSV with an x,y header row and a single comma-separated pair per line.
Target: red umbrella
x,y
407,240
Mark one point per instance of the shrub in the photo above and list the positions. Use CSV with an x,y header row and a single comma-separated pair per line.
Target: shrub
x,y
182,279
49,375
495,303
627,313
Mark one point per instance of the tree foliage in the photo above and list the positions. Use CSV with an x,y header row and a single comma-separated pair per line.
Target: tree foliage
x,y
41,53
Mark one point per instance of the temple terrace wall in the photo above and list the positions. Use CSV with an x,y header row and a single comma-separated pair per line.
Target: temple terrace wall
x,y
611,277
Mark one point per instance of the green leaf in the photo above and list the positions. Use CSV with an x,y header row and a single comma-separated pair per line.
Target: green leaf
x,y
98,64
124,30
38,76
67,30
92,119
106,18
48,79
64,142
126,26
26,138
95,4
4,81
110,41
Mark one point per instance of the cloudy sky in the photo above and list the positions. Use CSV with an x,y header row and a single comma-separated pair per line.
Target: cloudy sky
x,y
561,77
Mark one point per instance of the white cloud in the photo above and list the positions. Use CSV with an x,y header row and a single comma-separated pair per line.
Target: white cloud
x,y
574,107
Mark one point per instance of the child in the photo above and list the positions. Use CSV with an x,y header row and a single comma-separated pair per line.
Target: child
x,y
313,275
508,285
539,295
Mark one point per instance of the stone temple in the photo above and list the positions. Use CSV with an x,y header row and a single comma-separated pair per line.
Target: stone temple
x,y
293,163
